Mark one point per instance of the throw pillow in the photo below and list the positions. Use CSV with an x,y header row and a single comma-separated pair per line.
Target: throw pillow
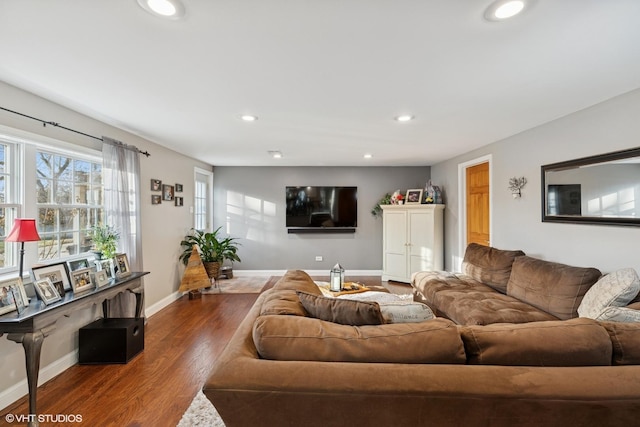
x,y
489,265
342,311
555,288
619,314
616,289
395,308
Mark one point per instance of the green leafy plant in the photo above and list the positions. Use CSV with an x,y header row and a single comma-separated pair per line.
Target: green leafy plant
x,y
104,238
377,210
211,247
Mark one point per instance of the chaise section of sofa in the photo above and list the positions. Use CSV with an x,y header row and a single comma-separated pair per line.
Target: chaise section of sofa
x,y
251,385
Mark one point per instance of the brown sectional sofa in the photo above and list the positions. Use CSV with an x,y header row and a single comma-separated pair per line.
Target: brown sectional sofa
x,y
285,368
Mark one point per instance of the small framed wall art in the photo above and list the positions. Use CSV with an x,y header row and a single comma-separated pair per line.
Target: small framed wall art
x,y
156,185
167,192
156,199
178,188
179,201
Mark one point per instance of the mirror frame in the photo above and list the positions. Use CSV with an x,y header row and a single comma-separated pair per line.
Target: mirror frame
x,y
571,164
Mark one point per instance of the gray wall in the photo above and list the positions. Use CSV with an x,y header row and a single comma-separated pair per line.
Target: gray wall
x,y
249,203
609,126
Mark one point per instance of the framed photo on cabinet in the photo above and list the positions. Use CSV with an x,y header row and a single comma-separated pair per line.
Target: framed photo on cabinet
x,y
414,197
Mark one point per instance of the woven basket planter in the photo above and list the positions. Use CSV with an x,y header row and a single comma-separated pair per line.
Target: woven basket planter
x,y
213,269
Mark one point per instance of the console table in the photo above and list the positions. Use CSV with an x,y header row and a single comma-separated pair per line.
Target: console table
x,y
38,320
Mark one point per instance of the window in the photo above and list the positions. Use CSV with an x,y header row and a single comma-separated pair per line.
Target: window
x,y
202,200
9,202
69,201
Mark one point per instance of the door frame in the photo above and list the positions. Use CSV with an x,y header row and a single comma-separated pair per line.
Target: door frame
x,y
462,204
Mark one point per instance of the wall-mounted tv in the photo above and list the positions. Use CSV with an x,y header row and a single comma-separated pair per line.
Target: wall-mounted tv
x,y
322,208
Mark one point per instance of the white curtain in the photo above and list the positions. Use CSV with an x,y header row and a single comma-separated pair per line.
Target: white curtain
x,y
121,179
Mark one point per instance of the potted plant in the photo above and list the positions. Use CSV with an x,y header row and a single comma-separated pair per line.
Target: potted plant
x,y
377,210
104,238
213,249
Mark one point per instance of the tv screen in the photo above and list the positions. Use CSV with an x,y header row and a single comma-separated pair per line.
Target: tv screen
x,y
322,207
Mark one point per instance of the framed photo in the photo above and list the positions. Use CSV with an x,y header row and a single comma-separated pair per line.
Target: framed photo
x,y
78,264
156,185
156,199
57,273
179,201
167,192
12,296
101,278
81,280
46,291
413,197
106,265
178,188
122,264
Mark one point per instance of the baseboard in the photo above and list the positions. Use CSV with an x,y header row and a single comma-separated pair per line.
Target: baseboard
x,y
150,311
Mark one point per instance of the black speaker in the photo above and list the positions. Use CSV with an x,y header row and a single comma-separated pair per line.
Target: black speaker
x,y
107,341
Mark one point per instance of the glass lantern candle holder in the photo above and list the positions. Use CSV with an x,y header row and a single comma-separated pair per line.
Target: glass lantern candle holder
x,y
336,278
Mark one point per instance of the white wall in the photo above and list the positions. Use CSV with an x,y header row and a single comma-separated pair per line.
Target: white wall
x,y
163,227
609,126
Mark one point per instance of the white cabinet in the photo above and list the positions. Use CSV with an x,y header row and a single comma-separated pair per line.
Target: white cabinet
x,y
412,240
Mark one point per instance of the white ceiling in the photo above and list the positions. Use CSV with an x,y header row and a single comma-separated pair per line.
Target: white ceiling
x,y
325,77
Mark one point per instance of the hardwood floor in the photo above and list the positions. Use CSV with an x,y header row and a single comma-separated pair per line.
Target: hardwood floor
x,y
182,342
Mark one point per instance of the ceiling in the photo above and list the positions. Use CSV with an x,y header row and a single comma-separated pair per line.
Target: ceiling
x,y
325,78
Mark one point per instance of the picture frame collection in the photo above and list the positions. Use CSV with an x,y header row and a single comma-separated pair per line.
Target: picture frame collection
x,y
167,193
52,282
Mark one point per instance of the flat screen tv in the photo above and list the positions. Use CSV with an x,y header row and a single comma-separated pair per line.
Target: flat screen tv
x,y
322,207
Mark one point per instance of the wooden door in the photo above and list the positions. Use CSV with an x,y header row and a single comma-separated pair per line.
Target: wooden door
x,y
478,204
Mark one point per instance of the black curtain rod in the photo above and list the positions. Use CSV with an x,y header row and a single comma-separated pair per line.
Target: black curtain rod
x,y
45,123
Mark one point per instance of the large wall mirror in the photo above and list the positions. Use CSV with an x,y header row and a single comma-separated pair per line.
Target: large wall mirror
x,y
602,189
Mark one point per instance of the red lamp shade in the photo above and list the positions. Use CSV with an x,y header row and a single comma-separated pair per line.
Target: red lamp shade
x,y
24,230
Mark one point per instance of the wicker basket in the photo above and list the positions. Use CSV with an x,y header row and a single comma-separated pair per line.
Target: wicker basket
x,y
213,269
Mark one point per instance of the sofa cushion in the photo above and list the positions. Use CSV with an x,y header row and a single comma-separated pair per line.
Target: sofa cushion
x,y
619,314
615,289
575,342
625,338
297,280
345,312
469,302
555,288
489,265
305,338
282,301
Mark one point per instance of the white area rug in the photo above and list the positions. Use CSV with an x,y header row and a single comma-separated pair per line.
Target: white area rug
x,y
201,413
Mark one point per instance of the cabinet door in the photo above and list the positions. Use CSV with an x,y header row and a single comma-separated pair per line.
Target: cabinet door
x,y
421,241
395,243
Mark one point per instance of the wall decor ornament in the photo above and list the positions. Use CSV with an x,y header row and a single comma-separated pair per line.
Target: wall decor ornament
x,y
515,185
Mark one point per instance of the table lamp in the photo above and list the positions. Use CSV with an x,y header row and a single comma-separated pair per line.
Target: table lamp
x,y
24,230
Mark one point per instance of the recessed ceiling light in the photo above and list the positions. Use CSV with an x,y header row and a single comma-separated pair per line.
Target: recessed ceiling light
x,y
172,9
404,118
504,9
368,156
275,154
249,118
